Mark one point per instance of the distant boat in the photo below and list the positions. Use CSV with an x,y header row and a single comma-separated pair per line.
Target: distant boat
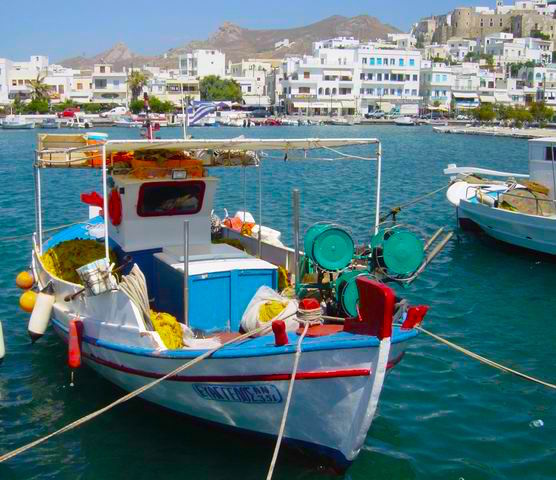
x,y
404,122
17,122
49,123
127,122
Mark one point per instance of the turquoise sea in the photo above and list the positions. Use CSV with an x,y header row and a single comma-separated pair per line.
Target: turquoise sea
x,y
441,415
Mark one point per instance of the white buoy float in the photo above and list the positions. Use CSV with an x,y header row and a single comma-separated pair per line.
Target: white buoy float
x,y
2,346
42,311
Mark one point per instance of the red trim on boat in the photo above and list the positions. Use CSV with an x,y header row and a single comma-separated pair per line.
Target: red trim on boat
x,y
354,372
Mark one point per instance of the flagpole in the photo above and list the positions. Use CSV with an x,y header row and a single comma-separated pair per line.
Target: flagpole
x,y
183,110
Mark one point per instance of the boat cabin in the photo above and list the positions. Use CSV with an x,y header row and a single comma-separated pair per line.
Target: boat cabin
x,y
542,158
146,223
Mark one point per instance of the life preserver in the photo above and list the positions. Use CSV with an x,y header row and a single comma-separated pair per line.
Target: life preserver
x,y
115,207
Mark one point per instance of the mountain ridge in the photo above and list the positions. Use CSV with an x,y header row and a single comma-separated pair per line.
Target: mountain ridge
x,y
243,43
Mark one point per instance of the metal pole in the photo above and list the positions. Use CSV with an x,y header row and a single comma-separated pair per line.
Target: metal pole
x,y
553,175
36,192
183,113
260,207
296,234
105,204
186,273
378,185
244,192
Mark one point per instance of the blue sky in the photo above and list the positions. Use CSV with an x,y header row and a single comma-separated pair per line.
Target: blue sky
x,y
63,28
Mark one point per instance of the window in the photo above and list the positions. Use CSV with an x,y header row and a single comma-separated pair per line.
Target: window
x,y
411,62
327,91
414,93
362,76
100,83
444,78
415,78
249,88
385,61
14,83
170,198
379,77
333,91
399,92
364,61
379,61
116,83
361,91
370,76
392,61
386,76
320,91
306,75
304,90
102,69
79,86
401,62
372,61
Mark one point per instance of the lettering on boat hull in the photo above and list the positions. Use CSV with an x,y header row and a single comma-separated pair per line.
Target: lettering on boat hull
x,y
238,393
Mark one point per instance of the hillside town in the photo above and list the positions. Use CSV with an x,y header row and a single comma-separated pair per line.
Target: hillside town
x,y
451,63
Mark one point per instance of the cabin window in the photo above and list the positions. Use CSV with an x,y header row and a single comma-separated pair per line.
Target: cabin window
x,y
170,198
549,153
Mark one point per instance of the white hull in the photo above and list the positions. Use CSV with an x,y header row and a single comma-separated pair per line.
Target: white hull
x,y
334,399
18,126
527,231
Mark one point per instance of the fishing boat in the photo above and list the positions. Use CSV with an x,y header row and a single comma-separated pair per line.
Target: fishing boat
x,y
79,121
404,122
161,292
516,208
127,122
49,123
17,122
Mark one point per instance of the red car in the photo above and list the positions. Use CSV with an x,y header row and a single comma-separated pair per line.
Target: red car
x,y
68,112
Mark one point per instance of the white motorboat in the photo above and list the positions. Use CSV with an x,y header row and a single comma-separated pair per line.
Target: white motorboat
x,y
404,122
17,122
515,208
49,123
158,219
127,122
79,121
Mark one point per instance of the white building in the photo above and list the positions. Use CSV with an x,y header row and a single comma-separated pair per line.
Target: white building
x,y
251,76
344,76
202,63
5,66
459,48
109,86
506,49
437,81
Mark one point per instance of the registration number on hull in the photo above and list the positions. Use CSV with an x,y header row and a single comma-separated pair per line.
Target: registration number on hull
x,y
238,393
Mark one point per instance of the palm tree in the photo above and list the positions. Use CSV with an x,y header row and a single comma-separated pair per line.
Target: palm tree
x,y
40,90
136,80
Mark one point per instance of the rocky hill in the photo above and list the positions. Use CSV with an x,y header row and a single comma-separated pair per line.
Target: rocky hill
x,y
243,43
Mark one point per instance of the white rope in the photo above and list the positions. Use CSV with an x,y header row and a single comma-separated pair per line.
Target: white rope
x,y
129,396
307,317
348,155
484,360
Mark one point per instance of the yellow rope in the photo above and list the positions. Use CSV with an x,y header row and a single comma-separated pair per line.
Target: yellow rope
x,y
485,360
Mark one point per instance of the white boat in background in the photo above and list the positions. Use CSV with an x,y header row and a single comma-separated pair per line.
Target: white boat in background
x,y
17,122
79,121
404,122
516,208
127,122
49,123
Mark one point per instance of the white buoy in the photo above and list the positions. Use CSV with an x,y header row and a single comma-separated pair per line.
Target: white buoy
x,y
2,347
42,311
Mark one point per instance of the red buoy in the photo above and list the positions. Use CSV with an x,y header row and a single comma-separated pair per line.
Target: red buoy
x,y
74,343
280,335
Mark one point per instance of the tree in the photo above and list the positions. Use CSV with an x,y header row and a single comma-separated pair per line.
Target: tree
x,y
136,80
40,90
484,113
520,115
540,112
37,105
157,105
539,34
214,88
18,105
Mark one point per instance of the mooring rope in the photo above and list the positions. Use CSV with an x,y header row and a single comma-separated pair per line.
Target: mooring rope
x,y
130,395
394,211
308,318
485,360
28,235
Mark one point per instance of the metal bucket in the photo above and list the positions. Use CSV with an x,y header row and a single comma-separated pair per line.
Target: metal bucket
x,y
329,246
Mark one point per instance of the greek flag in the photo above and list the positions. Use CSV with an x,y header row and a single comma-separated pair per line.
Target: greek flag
x,y
200,113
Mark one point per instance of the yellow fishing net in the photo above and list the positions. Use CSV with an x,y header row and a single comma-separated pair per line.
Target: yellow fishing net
x,y
270,310
168,328
63,259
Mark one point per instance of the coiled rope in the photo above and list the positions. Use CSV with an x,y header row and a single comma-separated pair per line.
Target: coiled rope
x,y
484,360
308,318
130,395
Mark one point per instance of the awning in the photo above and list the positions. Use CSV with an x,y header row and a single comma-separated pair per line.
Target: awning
x,y
256,101
333,73
306,104
467,95
487,99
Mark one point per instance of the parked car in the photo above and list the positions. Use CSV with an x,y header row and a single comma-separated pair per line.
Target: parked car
x,y
260,113
375,114
115,112
69,112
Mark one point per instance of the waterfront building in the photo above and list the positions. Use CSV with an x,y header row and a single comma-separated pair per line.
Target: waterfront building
x,y
109,86
251,76
459,48
21,74
201,63
437,81
82,87
346,77
507,49
5,66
